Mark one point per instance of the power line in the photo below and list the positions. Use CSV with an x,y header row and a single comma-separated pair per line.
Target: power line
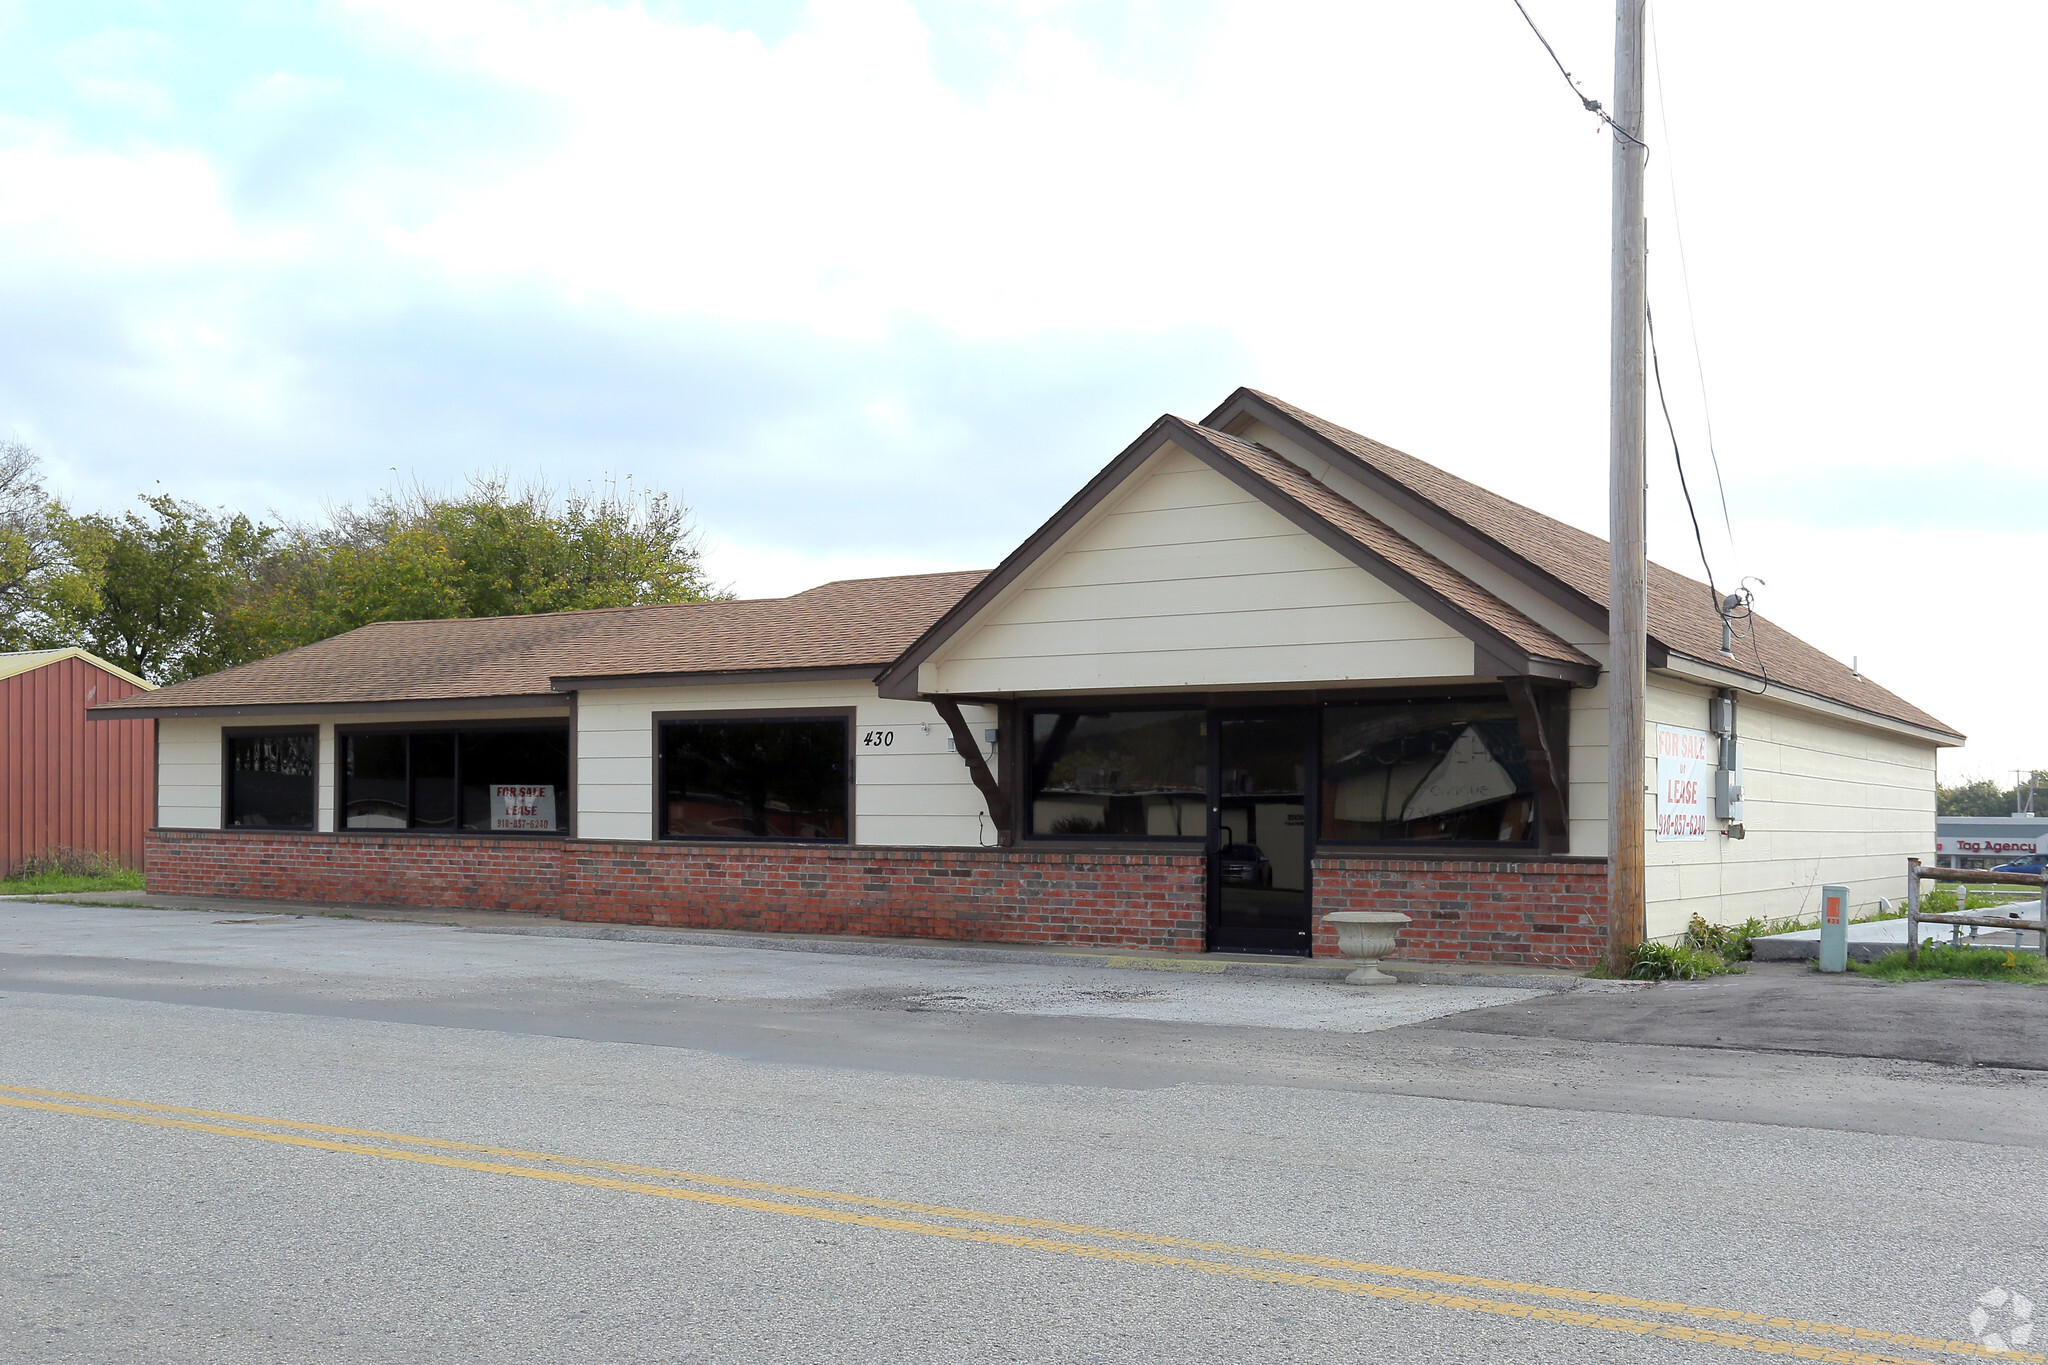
x,y
1685,278
1592,105
1678,458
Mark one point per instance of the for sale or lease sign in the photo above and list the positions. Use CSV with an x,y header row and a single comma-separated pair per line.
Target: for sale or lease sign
x,y
1685,783
523,807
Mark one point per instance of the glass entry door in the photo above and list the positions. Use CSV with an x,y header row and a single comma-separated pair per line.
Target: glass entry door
x,y
1258,835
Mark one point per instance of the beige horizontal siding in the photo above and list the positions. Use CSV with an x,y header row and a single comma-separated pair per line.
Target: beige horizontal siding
x,y
1824,802
914,792
188,774
1185,580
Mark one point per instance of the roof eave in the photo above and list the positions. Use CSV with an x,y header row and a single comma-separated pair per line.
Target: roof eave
x,y
1248,402
1509,658
898,681
1496,652
580,682
45,658
533,701
1705,670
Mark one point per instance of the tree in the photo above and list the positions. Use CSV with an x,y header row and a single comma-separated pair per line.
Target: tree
x,y
149,591
28,552
173,590
1986,797
416,554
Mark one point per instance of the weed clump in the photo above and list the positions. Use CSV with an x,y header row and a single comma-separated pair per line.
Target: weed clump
x,y
1676,962
1728,941
68,870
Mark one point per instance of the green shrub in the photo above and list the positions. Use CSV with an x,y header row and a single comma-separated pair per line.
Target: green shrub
x,y
1728,941
1679,962
1944,902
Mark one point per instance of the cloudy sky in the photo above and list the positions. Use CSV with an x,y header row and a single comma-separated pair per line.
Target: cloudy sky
x,y
874,285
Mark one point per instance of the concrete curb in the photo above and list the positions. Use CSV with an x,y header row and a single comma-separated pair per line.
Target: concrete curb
x,y
1409,973
961,952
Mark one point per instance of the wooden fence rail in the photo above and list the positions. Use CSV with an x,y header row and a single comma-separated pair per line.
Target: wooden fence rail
x,y
1964,878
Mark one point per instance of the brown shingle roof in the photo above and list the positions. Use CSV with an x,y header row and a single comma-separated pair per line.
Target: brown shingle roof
x,y
1294,482
862,623
1683,618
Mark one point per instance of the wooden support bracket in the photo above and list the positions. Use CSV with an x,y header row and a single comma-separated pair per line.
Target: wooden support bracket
x,y
977,766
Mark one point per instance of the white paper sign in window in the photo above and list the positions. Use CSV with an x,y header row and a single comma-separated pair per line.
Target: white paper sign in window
x,y
1685,783
1468,775
522,807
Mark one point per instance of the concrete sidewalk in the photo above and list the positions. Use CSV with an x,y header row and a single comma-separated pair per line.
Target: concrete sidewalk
x,y
1132,959
1870,940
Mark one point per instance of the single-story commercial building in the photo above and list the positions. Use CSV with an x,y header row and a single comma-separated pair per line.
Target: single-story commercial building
x,y
1258,669
67,787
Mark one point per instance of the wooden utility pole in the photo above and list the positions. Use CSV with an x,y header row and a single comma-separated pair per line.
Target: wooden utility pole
x,y
1627,567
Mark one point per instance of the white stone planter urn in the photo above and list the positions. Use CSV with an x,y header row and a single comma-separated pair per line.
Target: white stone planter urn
x,y
1366,936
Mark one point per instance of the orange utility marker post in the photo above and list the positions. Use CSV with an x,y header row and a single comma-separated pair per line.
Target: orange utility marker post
x,y
1834,928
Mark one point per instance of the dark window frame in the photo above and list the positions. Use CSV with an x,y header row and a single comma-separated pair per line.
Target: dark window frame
x,y
458,727
231,732
1517,850
1027,769
1318,700
657,815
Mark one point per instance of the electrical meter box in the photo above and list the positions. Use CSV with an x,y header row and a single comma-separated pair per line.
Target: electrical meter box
x,y
1728,793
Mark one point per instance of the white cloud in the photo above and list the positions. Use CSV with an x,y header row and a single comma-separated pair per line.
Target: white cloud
x,y
820,268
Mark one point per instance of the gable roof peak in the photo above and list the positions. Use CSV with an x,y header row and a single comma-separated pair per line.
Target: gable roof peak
x,y
1569,565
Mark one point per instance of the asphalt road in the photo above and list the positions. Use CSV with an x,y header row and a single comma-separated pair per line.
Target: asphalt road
x,y
328,1140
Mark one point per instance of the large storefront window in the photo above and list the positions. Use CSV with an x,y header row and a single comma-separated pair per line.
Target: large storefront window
x,y
1125,774
512,780
271,782
1427,770
766,778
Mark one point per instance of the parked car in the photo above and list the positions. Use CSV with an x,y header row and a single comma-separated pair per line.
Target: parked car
x,y
2034,864
1244,865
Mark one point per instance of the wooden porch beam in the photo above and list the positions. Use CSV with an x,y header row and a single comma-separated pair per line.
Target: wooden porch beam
x,y
1544,740
977,766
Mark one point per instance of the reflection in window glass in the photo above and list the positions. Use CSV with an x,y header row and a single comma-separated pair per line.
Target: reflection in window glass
x,y
433,781
505,781
271,781
1442,770
754,779
1129,774
373,781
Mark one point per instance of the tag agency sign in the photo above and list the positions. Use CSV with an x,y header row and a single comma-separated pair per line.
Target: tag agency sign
x,y
1685,783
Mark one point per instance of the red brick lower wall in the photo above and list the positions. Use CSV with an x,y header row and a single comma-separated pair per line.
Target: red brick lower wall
x,y
1538,914
1125,900
357,869
1529,913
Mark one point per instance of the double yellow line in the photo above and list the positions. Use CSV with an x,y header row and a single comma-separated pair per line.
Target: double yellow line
x,y
1699,1324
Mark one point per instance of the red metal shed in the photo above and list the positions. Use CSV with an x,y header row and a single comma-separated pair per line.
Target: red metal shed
x,y
66,782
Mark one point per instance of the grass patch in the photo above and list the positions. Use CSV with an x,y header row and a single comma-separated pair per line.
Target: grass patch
x,y
61,871
66,883
1977,964
1944,902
